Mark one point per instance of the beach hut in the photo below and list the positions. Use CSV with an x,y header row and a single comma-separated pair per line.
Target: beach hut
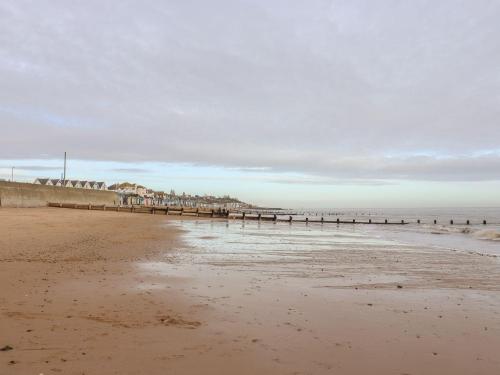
x,y
85,185
43,181
101,185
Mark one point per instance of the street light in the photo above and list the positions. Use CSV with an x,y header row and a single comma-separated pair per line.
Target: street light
x,y
64,175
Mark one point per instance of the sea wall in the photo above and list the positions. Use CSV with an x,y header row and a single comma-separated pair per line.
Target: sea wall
x,y
16,194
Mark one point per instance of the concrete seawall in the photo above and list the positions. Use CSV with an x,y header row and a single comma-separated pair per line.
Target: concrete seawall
x,y
15,194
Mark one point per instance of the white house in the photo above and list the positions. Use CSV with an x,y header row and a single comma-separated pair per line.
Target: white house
x,y
43,181
141,190
96,185
86,184
128,188
101,185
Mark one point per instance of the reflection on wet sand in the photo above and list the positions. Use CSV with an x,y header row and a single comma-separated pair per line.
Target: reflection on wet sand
x,y
317,299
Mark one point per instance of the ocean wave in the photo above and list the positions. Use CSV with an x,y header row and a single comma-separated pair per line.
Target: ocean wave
x,y
481,234
450,230
487,234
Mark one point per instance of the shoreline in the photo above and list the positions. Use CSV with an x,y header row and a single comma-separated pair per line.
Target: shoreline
x,y
90,292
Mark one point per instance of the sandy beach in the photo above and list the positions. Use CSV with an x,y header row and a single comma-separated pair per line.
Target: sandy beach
x,y
90,292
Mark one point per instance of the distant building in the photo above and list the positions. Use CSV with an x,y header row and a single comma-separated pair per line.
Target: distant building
x,y
131,194
43,181
141,190
97,185
76,184
129,188
86,184
101,186
134,194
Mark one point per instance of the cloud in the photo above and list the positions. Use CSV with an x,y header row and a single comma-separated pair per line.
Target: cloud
x,y
422,168
340,90
328,182
129,170
31,167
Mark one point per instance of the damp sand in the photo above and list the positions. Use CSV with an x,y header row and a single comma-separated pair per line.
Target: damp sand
x,y
88,292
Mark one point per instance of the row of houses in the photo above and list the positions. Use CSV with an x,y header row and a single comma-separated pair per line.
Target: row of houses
x,y
135,194
129,188
95,185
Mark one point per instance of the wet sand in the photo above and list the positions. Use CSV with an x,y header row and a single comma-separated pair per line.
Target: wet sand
x,y
90,292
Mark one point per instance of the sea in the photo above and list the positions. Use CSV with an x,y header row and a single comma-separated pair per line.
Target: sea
x,y
223,238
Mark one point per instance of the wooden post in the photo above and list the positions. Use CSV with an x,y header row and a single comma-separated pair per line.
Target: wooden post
x,y
259,217
369,221
290,219
451,222
307,220
338,221
166,211
435,221
182,211
418,221
243,215
275,218
322,219
198,212
468,222
385,221
212,213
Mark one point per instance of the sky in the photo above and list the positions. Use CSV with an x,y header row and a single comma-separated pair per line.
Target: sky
x,y
279,103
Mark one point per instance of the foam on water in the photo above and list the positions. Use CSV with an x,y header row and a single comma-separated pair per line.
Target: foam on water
x,y
487,234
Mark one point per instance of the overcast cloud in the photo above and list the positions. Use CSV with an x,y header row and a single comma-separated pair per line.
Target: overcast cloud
x,y
337,89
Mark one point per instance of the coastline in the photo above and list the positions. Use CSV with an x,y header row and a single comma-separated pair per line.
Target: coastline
x,y
91,292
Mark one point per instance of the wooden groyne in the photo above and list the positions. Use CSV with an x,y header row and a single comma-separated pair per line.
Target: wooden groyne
x,y
155,210
197,212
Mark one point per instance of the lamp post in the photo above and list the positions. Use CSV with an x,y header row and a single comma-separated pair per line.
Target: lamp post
x,y
64,175
12,175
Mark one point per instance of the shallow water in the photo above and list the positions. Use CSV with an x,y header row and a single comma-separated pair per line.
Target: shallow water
x,y
266,239
319,297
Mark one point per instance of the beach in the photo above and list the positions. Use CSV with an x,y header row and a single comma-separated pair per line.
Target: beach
x,y
95,292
